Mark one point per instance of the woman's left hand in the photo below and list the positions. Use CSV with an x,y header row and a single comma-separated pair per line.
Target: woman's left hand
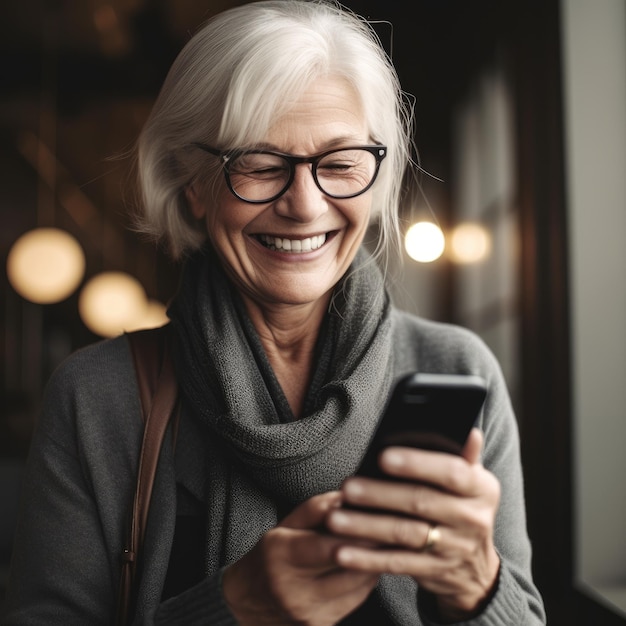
x,y
455,495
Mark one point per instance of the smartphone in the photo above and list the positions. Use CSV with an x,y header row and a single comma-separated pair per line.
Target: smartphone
x,y
429,411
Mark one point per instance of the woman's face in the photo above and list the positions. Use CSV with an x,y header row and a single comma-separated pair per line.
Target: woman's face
x,y
328,231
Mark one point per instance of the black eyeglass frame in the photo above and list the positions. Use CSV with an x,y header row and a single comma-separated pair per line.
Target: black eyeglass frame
x,y
379,152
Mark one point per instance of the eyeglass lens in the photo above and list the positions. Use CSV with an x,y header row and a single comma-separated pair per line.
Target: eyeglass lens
x,y
258,176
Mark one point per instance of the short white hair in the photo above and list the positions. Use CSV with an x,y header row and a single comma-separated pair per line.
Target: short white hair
x,y
232,80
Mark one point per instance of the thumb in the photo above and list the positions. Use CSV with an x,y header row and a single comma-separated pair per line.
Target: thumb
x,y
473,446
312,512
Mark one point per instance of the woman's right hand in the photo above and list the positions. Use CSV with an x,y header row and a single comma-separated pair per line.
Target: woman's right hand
x,y
290,576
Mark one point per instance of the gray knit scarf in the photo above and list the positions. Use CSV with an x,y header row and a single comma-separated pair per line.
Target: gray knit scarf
x,y
262,461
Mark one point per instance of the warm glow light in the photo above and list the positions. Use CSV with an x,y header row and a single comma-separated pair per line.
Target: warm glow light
x,y
470,243
424,242
111,303
45,265
155,314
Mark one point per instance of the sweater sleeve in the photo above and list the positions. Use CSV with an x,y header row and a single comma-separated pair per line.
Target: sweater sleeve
x,y
62,569
76,492
516,599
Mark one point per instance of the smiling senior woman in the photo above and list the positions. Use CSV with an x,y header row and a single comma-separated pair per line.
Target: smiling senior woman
x,y
280,134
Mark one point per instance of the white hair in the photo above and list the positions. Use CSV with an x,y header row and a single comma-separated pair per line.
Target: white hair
x,y
232,80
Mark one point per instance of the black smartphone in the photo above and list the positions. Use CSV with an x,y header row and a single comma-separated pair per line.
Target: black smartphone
x,y
429,411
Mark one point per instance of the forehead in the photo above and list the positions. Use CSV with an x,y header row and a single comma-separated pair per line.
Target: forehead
x,y
328,112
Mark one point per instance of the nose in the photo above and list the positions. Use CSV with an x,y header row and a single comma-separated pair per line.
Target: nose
x,y
303,201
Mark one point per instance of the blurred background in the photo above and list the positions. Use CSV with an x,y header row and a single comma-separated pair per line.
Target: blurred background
x,y
520,112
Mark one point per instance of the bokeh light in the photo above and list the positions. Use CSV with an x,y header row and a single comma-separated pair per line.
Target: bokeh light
x,y
424,242
111,303
470,243
45,265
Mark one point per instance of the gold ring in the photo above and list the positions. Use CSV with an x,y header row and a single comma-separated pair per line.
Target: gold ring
x,y
432,538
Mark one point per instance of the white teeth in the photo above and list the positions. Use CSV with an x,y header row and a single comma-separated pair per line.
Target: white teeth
x,y
294,245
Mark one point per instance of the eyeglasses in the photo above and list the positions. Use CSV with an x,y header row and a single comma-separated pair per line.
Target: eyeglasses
x,y
258,176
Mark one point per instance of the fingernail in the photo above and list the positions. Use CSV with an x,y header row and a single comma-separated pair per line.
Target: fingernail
x,y
339,519
345,556
333,500
353,488
393,458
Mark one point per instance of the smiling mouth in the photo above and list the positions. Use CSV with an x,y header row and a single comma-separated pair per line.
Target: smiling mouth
x,y
294,246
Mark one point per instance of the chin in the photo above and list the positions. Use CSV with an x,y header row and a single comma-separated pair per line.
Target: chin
x,y
300,295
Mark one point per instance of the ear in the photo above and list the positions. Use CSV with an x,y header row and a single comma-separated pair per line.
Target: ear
x,y
195,204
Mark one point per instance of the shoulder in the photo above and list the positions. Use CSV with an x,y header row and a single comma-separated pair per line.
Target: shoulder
x,y
93,393
94,369
438,346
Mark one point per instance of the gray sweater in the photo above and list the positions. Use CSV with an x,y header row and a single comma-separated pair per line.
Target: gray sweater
x,y
80,478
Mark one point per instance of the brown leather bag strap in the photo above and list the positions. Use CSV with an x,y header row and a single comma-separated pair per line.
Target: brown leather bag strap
x,y
158,391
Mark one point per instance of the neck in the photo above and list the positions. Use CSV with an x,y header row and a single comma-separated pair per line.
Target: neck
x,y
289,334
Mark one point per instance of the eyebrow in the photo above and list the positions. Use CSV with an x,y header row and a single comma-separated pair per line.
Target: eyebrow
x,y
337,142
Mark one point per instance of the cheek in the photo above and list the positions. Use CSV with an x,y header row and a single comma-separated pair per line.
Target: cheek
x,y
217,227
359,212
226,222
